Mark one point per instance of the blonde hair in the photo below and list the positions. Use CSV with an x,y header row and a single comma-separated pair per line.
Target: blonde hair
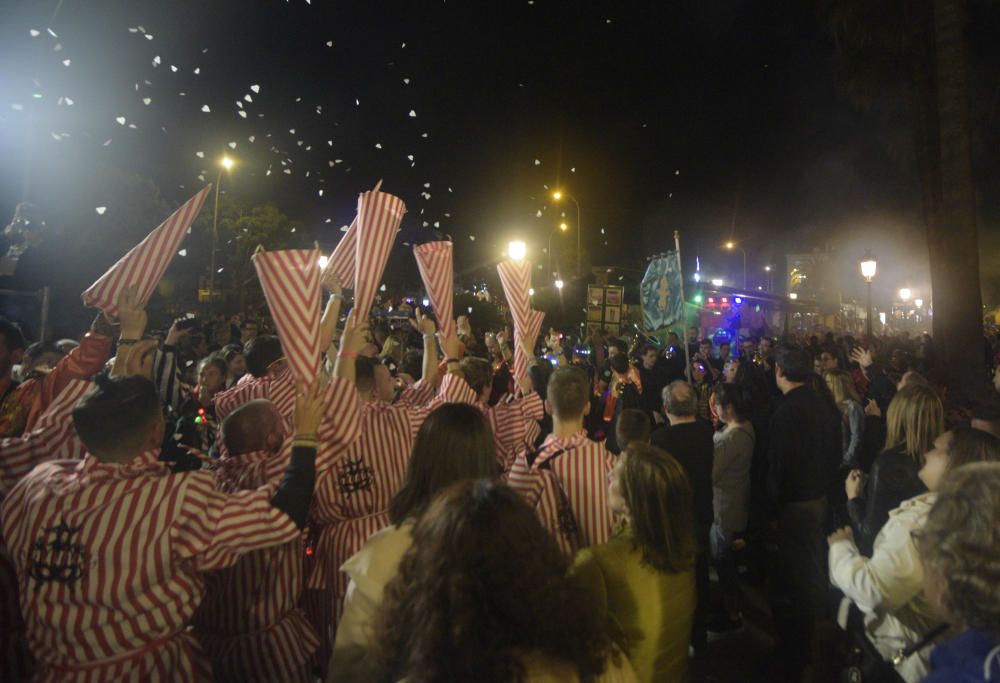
x,y
960,542
914,420
842,385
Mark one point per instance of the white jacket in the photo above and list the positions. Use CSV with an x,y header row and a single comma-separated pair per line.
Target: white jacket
x,y
888,586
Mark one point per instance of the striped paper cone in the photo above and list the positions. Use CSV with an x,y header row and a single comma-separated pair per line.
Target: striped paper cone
x,y
290,280
340,266
145,264
434,259
521,354
515,276
379,216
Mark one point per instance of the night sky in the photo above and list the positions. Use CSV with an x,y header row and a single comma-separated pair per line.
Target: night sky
x,y
720,119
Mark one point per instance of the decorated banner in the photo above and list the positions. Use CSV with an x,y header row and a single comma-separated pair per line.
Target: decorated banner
x,y
145,264
290,280
340,265
661,292
379,216
434,259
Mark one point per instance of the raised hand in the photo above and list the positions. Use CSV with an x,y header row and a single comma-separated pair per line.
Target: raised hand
x,y
131,313
422,323
309,407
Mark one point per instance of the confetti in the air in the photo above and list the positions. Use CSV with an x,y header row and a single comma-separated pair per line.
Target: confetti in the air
x,y
120,120
182,252
242,113
406,81
100,210
413,114
33,33
537,162
156,60
255,88
147,101
378,145
329,43
205,108
200,155
67,62
232,145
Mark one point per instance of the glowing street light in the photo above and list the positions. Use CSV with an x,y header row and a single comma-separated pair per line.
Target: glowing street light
x,y
869,266
905,294
559,284
793,296
731,246
225,164
767,269
563,226
558,195
919,303
322,261
531,291
717,282
517,250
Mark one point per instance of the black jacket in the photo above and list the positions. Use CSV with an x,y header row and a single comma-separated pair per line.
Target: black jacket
x,y
691,444
804,448
892,480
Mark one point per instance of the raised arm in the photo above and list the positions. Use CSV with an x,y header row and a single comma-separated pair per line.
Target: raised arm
x,y
328,323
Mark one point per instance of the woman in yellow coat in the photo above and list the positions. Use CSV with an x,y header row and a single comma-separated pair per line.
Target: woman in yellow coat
x,y
643,577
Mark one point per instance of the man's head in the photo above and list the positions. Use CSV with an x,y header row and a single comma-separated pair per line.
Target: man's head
x,y
793,366
766,346
692,334
680,402
263,354
119,418
747,348
724,350
616,346
828,359
11,346
568,395
40,356
632,427
249,329
373,380
648,356
619,364
673,339
705,348
478,374
254,426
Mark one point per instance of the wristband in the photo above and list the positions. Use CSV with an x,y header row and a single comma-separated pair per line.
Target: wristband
x,y
429,336
127,342
452,360
336,295
347,354
305,437
305,443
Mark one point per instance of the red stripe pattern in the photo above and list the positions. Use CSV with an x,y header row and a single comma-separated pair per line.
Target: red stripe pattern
x,y
340,266
379,216
290,280
127,543
249,622
515,276
145,264
434,259
521,354
570,494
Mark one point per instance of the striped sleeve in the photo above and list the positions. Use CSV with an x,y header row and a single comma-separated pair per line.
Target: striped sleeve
x,y
454,389
341,425
214,529
229,400
167,377
20,455
510,427
417,394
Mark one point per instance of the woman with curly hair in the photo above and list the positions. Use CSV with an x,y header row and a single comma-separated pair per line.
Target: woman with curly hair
x,y
960,549
454,443
888,586
643,577
483,595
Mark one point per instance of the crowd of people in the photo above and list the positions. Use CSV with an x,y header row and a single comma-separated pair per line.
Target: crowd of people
x,y
176,506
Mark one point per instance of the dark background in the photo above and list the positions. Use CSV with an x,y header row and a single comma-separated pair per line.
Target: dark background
x,y
722,119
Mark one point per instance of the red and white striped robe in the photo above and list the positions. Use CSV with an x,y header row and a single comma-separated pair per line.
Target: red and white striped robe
x,y
567,485
109,559
278,389
250,623
351,498
514,421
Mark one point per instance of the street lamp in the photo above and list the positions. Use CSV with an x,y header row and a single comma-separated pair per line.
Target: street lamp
x,y
517,250
225,164
770,282
558,195
732,245
905,294
919,303
564,226
559,284
869,267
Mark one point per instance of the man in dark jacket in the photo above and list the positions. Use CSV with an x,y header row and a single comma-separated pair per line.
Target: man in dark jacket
x,y
803,453
689,440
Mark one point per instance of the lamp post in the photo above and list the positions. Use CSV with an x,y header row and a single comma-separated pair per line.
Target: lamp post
x,y
869,267
558,195
225,164
732,245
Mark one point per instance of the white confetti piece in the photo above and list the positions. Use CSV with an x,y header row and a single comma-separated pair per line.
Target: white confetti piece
x,y
321,193
378,145
288,171
329,43
232,145
182,252
268,172
156,60
427,185
357,102
424,135
472,237
292,131
34,33
107,142
248,98
410,157
406,81
147,101
345,228
149,36
52,33
537,162
67,62
538,214
403,46
205,108
413,114
100,210
120,120
69,101
255,88
197,71
573,170
174,68
252,138
242,113
200,155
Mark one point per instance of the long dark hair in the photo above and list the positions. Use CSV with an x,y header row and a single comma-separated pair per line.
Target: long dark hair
x,y
661,506
483,584
454,443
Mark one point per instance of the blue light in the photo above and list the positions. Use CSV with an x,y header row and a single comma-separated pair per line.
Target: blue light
x,y
697,277
737,300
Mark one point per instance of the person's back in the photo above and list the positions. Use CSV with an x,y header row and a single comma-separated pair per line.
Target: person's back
x,y
643,577
804,447
691,444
